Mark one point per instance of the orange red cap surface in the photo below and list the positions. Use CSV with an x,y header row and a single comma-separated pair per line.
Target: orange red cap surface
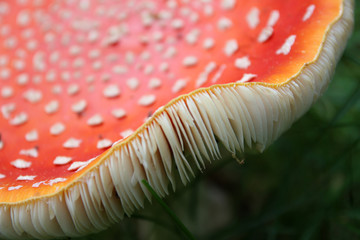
x,y
78,76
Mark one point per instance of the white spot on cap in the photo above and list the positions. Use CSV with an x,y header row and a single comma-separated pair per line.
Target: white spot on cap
x,y
194,17
104,143
7,109
50,76
66,76
132,83
78,165
115,33
79,106
19,65
309,12
78,63
32,45
111,91
224,23
33,96
177,23
97,65
265,34
164,67
154,83
49,182
57,129
190,61
129,57
62,160
159,47
1,145
218,74
208,43
15,187
23,18
10,43
5,73
286,47
158,35
32,136
118,113
148,69
37,79
252,17
170,52
147,100
75,166
49,37
56,180
39,62
231,47
120,69
126,133
19,119
90,79
51,107
25,177
228,4
247,77
54,57
93,35
273,18
21,164
7,92
23,79
105,77
74,50
145,55
72,143
203,77
192,36
268,30
208,10
179,85
84,4
185,11
95,120
95,53
147,18
37,184
4,60
243,62
56,89
4,8
32,152
2,176
73,89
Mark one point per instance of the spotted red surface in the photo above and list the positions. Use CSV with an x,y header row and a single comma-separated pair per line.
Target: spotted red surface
x,y
133,57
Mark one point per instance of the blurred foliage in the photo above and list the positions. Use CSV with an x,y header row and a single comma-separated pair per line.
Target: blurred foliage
x,y
305,186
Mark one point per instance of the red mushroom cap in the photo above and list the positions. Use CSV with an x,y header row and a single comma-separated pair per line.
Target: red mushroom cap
x,y
97,95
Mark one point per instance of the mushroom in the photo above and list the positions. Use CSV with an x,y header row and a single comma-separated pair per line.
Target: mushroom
x,y
98,96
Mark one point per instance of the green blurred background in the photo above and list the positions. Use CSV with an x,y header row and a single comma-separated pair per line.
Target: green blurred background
x,y
305,186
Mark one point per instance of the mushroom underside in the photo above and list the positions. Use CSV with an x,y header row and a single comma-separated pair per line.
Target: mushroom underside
x,y
176,143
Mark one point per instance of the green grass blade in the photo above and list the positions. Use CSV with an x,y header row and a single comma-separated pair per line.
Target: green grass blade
x,y
167,209
155,221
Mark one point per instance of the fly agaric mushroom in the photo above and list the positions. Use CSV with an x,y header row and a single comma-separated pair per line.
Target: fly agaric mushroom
x,y
96,96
